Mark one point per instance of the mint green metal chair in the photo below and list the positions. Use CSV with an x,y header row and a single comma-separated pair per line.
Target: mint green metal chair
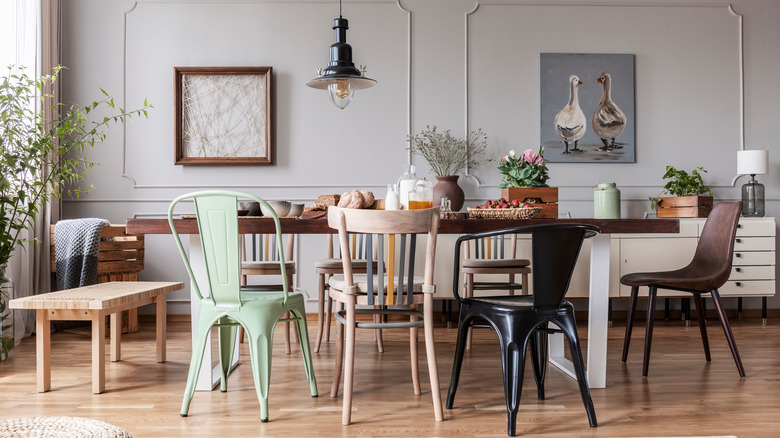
x,y
227,306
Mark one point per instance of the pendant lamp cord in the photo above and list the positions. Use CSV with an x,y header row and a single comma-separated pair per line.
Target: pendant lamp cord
x,y
339,8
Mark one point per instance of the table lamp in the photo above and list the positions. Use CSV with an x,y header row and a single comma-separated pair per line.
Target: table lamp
x,y
753,163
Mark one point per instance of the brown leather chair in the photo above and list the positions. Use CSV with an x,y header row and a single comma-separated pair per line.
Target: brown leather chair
x,y
708,271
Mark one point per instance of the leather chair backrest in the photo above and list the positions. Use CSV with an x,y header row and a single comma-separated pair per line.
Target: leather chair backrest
x,y
714,253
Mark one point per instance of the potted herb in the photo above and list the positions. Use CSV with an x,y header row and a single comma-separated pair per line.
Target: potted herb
x,y
40,158
448,156
524,179
692,198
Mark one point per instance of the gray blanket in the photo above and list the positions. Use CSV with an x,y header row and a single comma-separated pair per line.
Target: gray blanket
x,y
76,245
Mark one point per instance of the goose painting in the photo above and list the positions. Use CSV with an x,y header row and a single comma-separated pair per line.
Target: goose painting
x,y
585,114
608,121
570,122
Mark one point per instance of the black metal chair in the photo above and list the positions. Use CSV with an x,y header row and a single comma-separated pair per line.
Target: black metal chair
x,y
521,319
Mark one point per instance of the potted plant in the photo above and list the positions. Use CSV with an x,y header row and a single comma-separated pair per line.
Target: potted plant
x,y
689,191
39,158
524,178
447,156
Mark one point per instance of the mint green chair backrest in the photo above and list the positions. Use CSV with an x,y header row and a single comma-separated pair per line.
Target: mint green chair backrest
x,y
217,216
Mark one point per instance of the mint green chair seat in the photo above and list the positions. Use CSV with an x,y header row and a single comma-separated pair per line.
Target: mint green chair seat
x,y
227,306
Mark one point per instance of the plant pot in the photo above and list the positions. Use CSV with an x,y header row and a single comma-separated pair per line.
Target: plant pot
x,y
448,186
544,197
684,206
6,316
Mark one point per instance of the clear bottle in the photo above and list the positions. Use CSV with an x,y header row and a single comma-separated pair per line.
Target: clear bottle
x,y
422,195
405,184
392,201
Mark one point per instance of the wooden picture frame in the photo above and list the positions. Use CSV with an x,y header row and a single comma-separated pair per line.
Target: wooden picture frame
x,y
223,115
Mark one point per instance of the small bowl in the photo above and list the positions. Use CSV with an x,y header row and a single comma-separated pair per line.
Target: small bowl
x,y
252,207
295,210
280,207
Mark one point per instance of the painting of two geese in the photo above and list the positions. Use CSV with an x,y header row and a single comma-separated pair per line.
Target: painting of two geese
x,y
587,107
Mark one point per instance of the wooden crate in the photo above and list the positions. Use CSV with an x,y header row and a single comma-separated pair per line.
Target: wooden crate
x,y
684,206
120,258
547,198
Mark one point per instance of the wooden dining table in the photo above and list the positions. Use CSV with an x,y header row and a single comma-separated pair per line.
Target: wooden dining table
x,y
598,302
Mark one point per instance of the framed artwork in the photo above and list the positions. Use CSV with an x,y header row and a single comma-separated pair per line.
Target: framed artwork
x,y
223,115
587,108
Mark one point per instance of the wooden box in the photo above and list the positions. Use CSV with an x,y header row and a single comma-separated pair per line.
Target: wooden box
x,y
544,197
684,206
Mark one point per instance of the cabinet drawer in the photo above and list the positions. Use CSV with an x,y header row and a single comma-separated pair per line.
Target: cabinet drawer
x,y
752,273
754,258
746,288
754,244
756,227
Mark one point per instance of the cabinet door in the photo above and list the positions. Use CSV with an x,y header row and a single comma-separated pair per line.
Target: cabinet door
x,y
649,255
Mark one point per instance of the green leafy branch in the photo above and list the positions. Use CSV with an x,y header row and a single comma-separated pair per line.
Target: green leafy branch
x,y
42,157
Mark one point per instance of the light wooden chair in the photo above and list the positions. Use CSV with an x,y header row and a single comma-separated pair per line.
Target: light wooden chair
x,y
228,306
489,256
398,288
326,268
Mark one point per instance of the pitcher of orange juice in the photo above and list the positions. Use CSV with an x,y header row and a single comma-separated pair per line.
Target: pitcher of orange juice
x,y
421,196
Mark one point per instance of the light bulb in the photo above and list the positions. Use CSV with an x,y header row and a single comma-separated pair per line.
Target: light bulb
x,y
340,93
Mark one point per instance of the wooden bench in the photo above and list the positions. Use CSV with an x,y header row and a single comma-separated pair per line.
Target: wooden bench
x,y
120,258
94,303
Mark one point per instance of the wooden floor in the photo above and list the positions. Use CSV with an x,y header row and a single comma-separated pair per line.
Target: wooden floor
x,y
684,395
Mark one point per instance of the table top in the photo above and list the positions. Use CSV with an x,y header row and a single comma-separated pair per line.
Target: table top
x,y
97,296
446,226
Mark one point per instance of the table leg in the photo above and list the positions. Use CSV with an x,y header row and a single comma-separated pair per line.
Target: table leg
x,y
116,336
43,349
161,324
209,376
98,352
598,316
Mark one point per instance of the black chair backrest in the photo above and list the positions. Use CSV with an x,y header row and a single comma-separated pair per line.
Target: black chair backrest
x,y
555,250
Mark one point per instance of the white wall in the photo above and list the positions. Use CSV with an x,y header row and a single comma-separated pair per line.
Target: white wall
x,y
456,64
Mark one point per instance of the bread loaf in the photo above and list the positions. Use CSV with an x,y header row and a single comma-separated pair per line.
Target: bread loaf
x,y
368,198
353,199
328,200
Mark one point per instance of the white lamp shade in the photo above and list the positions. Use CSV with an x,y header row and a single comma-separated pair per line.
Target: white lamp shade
x,y
752,162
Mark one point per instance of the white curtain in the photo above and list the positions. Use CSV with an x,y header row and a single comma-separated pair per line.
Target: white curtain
x,y
30,37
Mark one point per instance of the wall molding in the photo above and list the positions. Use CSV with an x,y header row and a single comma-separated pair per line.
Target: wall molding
x,y
727,6
133,180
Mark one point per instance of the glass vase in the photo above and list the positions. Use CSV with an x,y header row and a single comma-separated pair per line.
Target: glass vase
x,y
6,315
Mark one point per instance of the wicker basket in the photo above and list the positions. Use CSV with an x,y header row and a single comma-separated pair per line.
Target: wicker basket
x,y
504,213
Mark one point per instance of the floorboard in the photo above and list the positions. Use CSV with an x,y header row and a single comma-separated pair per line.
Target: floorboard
x,y
683,396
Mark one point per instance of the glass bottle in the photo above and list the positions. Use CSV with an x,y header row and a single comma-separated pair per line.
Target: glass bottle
x,y
753,198
392,201
422,195
405,184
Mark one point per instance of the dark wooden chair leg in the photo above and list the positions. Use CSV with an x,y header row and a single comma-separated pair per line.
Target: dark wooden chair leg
x,y
727,330
649,328
630,321
701,311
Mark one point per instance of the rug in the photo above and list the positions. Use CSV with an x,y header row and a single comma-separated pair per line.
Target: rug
x,y
59,427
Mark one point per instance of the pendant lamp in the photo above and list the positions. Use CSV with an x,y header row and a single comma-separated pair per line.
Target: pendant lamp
x,y
341,78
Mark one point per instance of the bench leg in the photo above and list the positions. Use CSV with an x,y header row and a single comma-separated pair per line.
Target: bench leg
x,y
161,323
43,349
98,352
116,336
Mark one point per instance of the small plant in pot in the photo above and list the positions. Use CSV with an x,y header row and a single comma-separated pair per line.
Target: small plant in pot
x,y
524,178
448,155
691,197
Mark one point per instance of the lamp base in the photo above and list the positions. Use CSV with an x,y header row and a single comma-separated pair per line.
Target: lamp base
x,y
753,199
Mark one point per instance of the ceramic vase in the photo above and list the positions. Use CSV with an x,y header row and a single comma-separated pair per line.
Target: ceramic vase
x,y
448,186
